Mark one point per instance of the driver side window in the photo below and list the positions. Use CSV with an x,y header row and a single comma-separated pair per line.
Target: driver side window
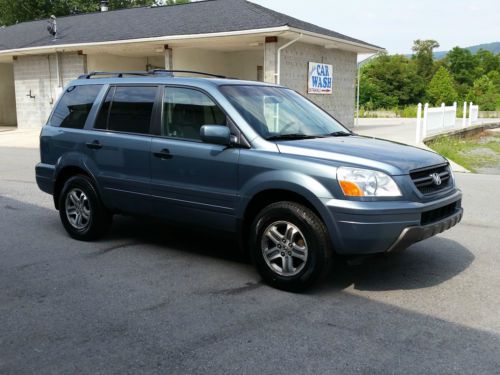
x,y
186,110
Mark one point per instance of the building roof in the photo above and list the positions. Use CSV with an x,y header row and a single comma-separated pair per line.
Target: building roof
x,y
204,17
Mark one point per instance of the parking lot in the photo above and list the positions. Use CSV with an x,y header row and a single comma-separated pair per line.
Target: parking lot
x,y
157,299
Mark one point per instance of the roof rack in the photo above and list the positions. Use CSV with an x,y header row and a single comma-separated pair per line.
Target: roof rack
x,y
153,72
114,74
171,72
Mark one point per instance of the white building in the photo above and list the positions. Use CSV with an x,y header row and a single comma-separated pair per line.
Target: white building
x,y
235,38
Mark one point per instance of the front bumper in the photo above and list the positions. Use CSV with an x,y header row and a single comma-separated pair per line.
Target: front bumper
x,y
377,227
411,235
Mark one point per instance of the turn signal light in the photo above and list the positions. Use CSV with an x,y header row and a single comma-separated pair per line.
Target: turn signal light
x,y
350,189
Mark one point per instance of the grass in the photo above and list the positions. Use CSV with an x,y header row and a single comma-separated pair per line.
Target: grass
x,y
471,153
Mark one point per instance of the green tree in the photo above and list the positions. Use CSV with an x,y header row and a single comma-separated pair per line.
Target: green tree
x,y
442,88
484,94
494,77
461,63
424,58
390,81
485,62
12,12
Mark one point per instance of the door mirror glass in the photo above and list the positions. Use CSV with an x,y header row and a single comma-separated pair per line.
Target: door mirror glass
x,y
216,134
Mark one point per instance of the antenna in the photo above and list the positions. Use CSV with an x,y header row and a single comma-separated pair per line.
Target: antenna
x,y
52,26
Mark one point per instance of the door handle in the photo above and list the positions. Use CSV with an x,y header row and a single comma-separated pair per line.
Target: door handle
x,y
95,145
163,154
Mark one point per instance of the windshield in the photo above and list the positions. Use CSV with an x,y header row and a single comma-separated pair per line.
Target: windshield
x,y
279,113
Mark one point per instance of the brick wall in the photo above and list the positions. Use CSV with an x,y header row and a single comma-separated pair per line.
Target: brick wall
x,y
38,74
294,65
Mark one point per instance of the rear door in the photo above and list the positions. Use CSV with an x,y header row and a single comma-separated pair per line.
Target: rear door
x,y
193,181
119,147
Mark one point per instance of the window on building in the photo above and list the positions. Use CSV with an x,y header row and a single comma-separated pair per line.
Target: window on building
x,y
127,109
185,111
74,107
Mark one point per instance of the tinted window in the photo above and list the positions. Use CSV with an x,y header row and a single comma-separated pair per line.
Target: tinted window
x,y
127,109
186,111
102,118
74,107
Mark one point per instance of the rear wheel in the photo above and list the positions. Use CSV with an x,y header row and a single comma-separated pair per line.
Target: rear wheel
x,y
290,246
81,211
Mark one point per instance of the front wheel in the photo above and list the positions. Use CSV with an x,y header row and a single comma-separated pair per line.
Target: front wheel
x,y
290,246
81,211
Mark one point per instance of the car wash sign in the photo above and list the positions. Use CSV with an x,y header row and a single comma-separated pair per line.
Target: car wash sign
x,y
320,78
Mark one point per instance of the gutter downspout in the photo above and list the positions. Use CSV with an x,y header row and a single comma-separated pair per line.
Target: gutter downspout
x,y
278,57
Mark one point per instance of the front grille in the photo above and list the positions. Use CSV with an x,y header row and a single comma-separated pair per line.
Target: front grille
x,y
423,179
440,213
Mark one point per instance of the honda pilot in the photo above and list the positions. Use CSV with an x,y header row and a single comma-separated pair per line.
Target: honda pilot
x,y
254,159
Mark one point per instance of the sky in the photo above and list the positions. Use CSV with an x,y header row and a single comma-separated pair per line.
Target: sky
x,y
395,24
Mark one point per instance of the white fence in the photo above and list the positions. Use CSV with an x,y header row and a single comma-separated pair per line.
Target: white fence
x,y
473,113
439,120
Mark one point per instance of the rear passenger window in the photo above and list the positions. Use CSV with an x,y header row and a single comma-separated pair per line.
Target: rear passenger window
x,y
185,111
127,109
74,107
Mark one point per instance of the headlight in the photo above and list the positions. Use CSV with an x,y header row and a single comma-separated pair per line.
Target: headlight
x,y
356,182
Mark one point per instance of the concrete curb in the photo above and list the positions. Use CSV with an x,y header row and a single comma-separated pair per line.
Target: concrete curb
x,y
472,130
460,132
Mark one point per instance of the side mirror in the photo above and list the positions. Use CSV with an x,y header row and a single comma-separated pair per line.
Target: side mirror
x,y
216,134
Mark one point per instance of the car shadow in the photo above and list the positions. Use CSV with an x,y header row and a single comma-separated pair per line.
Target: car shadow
x,y
423,265
167,235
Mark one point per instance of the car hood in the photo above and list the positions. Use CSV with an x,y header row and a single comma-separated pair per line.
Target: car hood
x,y
394,158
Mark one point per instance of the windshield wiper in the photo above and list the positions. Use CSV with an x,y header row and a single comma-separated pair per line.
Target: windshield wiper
x,y
340,134
291,136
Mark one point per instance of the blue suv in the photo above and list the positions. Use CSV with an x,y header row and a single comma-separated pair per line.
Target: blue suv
x,y
249,158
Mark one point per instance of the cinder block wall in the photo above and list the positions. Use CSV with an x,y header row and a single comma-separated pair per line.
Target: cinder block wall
x,y
294,65
37,84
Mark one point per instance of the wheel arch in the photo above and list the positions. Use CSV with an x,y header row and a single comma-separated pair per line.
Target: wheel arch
x,y
63,173
284,192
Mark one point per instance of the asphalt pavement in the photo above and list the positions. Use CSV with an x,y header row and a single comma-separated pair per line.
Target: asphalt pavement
x,y
150,298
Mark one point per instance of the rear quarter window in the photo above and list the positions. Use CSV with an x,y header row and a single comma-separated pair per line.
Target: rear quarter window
x,y
74,106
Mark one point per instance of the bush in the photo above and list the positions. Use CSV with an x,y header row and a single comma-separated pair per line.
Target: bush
x,y
409,111
484,94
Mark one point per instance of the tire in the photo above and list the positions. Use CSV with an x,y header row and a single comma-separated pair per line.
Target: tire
x,y
79,199
297,245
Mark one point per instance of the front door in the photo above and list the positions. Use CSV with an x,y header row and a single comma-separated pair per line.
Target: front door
x,y
193,181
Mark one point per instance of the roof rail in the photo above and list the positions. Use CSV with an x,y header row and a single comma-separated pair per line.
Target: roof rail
x,y
170,73
115,74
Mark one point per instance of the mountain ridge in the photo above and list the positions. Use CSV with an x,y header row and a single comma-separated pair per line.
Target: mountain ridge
x,y
493,47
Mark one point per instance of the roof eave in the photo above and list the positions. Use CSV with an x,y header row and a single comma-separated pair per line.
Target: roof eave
x,y
166,38
338,42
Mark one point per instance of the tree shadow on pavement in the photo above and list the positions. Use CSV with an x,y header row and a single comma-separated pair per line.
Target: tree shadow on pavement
x,y
63,308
